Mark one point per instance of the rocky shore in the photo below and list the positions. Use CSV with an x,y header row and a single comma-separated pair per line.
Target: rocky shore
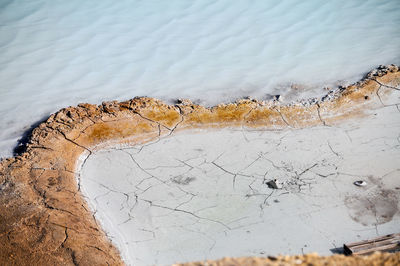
x,y
44,220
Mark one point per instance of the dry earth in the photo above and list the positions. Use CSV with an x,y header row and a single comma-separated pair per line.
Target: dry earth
x,y
309,259
45,221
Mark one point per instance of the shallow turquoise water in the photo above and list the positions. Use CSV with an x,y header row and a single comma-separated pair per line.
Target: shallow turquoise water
x,y
59,53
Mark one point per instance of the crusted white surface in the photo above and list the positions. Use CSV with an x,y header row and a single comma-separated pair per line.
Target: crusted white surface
x,y
203,194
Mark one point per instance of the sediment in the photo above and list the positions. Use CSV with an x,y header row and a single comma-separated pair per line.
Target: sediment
x,y
44,219
309,259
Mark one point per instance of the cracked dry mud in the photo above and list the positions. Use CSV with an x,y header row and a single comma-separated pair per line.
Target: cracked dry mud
x,y
316,147
186,196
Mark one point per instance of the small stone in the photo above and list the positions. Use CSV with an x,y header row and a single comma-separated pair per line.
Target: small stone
x,y
184,101
110,107
278,98
360,183
275,184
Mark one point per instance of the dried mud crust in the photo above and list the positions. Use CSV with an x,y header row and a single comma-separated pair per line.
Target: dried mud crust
x,y
44,220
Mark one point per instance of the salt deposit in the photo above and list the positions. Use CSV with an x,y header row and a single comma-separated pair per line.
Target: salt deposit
x,y
59,53
205,195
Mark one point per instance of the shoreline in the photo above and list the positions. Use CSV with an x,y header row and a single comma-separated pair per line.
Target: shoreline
x,y
43,211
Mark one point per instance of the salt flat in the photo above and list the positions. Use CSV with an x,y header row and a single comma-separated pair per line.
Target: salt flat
x,y
202,194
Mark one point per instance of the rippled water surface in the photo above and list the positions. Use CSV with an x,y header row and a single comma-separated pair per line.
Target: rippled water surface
x,y
59,53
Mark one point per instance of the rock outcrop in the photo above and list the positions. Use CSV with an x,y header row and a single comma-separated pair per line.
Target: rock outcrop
x,y
44,220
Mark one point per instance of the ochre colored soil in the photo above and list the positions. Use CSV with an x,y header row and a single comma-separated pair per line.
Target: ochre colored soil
x,y
44,220
309,259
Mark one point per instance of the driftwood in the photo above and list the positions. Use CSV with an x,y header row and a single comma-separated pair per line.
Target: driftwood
x,y
390,243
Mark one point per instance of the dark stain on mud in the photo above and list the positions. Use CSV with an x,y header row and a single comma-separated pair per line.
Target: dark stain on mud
x,y
183,180
378,206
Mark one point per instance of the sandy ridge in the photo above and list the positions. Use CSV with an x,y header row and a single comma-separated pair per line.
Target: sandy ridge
x,y
44,219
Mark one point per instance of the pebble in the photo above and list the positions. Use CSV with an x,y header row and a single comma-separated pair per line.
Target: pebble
x,y
360,183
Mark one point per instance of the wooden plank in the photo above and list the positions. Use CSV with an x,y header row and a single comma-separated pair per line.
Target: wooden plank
x,y
384,243
391,236
387,248
375,243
